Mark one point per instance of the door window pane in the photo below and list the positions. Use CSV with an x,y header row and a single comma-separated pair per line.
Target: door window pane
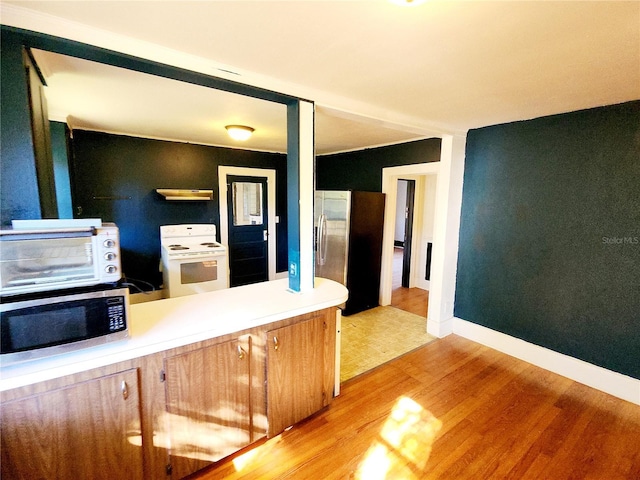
x,y
247,203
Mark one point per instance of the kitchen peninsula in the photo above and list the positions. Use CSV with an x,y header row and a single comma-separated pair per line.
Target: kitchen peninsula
x,y
199,378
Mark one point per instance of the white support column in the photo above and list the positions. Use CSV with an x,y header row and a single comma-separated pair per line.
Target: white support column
x,y
444,258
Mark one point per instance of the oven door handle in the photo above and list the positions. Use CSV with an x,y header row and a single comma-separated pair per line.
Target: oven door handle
x,y
40,235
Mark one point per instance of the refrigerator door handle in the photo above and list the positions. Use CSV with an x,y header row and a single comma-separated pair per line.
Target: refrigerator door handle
x,y
322,240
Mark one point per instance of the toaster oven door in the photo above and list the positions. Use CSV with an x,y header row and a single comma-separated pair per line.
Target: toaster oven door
x,y
29,264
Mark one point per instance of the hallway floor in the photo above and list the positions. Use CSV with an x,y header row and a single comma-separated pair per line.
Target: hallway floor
x,y
414,300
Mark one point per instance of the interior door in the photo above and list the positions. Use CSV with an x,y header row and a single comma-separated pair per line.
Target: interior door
x,y
408,233
248,232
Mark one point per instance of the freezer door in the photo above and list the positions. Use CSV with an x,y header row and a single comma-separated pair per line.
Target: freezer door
x,y
332,229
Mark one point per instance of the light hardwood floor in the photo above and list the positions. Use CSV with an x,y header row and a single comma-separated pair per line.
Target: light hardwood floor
x,y
501,418
414,300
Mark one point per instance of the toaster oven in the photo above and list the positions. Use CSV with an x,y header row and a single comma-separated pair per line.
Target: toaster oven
x,y
40,259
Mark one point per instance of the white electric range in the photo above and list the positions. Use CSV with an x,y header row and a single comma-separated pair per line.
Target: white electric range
x,y
192,260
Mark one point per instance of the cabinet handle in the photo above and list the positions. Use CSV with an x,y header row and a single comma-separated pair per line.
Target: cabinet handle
x,y
125,389
276,345
241,353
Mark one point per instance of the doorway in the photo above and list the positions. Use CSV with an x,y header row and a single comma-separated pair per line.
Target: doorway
x,y
421,235
268,176
404,229
404,294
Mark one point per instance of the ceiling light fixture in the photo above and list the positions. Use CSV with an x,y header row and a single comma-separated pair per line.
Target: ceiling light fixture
x,y
239,132
408,3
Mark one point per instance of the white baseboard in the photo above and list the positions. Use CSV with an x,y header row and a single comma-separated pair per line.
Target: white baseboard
x,y
613,383
440,329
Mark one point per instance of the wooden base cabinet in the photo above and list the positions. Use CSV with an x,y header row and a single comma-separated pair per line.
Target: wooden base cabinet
x,y
300,370
171,413
209,404
85,430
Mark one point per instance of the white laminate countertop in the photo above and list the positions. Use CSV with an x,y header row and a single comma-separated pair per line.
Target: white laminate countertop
x,y
174,322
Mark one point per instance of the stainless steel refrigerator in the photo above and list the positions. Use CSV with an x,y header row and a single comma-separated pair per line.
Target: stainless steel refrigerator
x,y
348,226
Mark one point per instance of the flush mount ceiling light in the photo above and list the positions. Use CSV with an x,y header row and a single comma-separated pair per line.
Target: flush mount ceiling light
x,y
239,132
408,3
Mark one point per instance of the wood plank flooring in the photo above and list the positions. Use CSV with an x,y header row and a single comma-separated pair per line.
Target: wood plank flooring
x,y
414,300
500,417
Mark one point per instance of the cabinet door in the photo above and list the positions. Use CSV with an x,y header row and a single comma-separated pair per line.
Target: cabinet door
x,y
86,430
295,373
208,404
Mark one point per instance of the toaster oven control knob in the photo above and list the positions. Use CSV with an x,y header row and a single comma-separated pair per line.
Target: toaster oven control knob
x,y
109,256
111,269
109,243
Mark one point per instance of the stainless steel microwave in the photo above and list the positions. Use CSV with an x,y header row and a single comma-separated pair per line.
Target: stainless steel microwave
x,y
43,259
35,326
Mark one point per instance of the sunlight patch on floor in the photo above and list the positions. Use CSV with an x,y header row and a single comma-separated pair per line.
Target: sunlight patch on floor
x,y
273,447
404,445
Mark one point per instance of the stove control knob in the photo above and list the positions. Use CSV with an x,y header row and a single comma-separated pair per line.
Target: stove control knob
x,y
111,269
109,243
109,256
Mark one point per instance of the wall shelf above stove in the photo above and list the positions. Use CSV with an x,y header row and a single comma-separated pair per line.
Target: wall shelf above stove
x,y
185,194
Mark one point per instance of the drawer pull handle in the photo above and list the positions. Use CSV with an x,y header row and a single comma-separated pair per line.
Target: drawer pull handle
x,y
125,389
241,353
276,344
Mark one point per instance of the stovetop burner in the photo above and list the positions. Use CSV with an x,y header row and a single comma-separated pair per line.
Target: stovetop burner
x,y
177,247
190,240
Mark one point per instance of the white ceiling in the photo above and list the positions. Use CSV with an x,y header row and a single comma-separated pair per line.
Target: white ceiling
x,y
378,73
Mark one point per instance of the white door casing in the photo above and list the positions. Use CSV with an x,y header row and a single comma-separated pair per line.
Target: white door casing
x,y
446,226
270,175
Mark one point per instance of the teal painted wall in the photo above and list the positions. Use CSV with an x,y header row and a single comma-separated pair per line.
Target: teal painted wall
x,y
362,170
18,165
115,178
550,234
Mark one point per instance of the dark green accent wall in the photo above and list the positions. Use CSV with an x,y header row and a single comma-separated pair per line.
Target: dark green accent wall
x,y
115,178
550,234
17,166
362,170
